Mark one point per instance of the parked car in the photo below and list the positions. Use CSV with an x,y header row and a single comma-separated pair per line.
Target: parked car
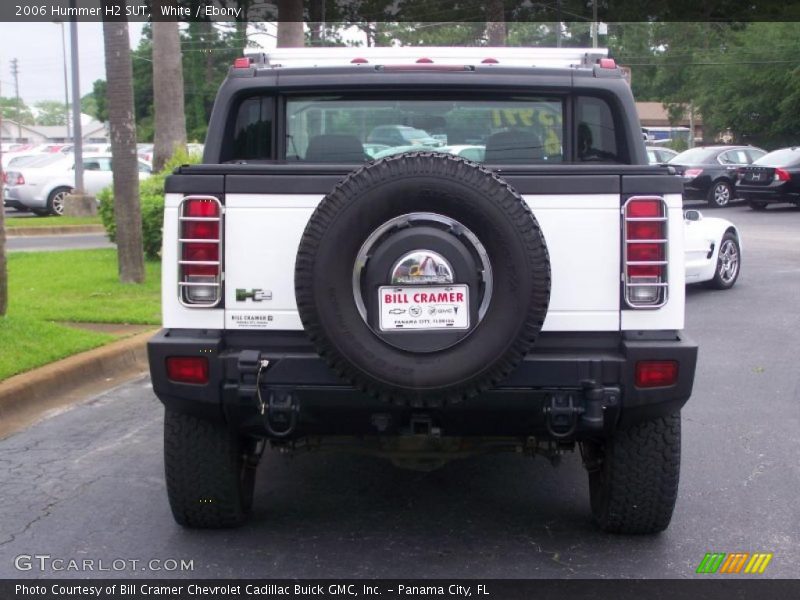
x,y
713,250
775,177
372,149
709,173
402,135
145,152
43,187
656,155
397,311
470,152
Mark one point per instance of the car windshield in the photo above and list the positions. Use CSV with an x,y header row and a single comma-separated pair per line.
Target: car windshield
x,y
695,156
521,130
780,158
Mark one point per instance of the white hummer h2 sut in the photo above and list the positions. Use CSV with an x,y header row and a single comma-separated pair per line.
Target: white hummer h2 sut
x,y
499,269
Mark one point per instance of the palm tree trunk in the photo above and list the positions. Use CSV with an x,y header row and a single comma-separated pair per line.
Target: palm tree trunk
x,y
168,102
496,23
290,24
122,123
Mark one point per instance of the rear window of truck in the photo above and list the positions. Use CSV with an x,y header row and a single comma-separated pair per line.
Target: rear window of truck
x,y
347,129
509,131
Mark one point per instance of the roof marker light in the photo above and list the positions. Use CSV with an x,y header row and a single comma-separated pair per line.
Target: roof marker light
x,y
359,61
490,61
424,60
241,63
607,63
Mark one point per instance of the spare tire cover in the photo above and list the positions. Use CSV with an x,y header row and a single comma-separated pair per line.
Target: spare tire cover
x,y
395,230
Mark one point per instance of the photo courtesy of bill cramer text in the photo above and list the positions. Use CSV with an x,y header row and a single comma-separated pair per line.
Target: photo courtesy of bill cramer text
x,y
112,590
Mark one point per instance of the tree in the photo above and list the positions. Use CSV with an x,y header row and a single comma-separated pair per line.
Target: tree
x,y
50,112
8,109
290,24
496,23
122,123
168,101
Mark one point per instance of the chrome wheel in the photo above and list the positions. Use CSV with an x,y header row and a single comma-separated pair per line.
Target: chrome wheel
x,y
443,273
722,194
728,262
57,203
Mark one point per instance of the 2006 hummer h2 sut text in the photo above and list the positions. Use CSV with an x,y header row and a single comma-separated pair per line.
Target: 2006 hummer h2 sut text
x,y
425,253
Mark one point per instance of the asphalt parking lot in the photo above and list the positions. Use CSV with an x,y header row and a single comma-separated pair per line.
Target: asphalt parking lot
x,y
88,483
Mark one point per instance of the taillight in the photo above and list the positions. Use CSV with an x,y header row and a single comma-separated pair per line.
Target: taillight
x,y
12,178
200,251
781,175
187,369
692,173
656,373
645,252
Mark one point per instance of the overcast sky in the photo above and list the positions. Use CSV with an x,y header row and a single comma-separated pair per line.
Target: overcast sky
x,y
37,46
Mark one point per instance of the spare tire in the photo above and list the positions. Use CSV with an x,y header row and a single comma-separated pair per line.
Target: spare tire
x,y
422,278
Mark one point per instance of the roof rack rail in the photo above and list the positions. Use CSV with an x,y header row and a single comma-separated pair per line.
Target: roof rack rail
x,y
502,56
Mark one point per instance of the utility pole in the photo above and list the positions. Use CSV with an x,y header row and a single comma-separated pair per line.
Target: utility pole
x,y
15,73
594,23
691,124
77,134
66,89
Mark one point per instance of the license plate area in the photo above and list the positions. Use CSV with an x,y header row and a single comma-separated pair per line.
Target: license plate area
x,y
427,308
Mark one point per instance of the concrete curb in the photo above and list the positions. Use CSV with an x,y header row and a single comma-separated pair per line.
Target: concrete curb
x,y
62,230
25,398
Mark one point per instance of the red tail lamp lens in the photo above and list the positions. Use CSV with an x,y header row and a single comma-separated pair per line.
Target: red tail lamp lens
x,y
645,230
645,208
200,208
645,252
188,369
201,230
656,373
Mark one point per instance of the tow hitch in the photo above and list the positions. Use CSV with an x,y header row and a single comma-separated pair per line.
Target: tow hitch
x,y
595,407
278,407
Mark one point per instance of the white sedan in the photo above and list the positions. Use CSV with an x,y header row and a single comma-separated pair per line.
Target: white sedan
x,y
42,186
713,250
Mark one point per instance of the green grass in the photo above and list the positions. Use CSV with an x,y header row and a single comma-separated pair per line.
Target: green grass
x,y
73,285
29,343
12,222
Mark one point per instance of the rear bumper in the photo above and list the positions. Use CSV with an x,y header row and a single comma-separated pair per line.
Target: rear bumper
x,y
771,193
581,384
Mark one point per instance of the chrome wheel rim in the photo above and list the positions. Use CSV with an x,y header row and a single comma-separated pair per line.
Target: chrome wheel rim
x,y
58,202
728,261
722,195
409,220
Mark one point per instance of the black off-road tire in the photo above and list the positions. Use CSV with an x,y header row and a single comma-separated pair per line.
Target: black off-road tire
x,y
210,477
633,477
423,182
